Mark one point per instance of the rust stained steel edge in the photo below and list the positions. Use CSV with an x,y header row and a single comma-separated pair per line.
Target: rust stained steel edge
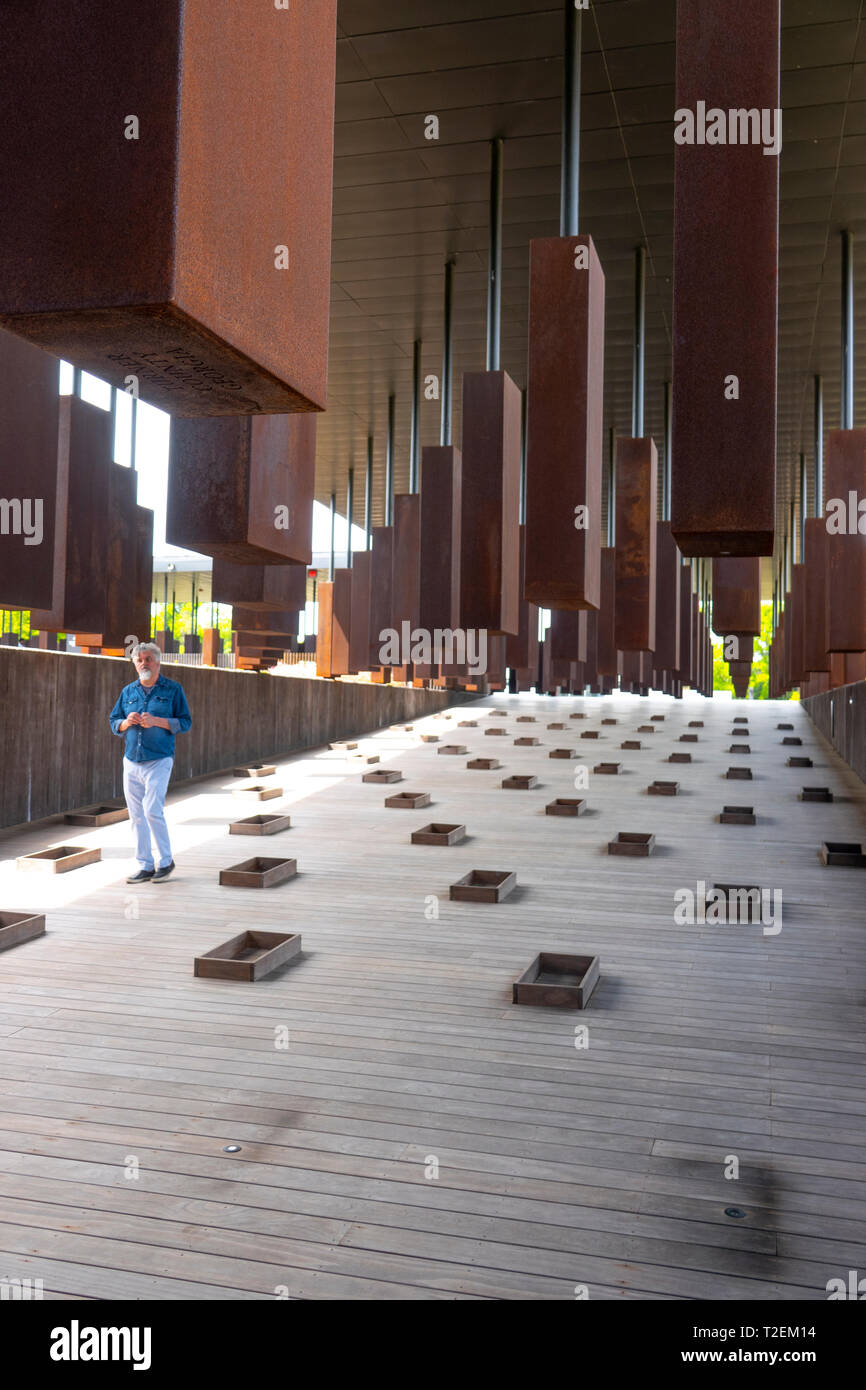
x,y
158,256
725,291
564,422
226,480
441,491
636,478
490,503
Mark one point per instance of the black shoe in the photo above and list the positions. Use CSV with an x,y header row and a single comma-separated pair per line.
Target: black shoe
x,y
163,873
143,876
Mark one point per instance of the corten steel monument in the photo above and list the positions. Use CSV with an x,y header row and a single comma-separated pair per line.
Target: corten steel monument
x,y
725,290
167,185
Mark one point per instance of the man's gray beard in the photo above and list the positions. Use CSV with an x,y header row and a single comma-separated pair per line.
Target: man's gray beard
x,y
146,675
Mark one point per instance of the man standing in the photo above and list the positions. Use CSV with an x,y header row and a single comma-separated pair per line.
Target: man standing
x,y
150,712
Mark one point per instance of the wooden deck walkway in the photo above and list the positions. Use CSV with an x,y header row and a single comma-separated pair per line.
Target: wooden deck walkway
x,y
558,1167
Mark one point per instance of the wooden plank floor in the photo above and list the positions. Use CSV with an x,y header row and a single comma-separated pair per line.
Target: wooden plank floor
x,y
558,1166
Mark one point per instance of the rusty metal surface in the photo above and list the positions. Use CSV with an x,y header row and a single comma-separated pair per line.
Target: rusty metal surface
x,y
608,657
564,423
725,290
359,617
83,463
280,623
141,620
667,644
441,491
156,256
490,503
567,635
335,615
406,581
266,587
685,666
636,480
121,550
815,655
242,490
845,473
381,580
737,595
29,418
798,669
521,649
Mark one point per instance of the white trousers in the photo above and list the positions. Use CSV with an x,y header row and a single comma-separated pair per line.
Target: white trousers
x,y
144,786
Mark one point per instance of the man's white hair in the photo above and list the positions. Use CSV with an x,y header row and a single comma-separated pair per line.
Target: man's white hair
x,y
146,647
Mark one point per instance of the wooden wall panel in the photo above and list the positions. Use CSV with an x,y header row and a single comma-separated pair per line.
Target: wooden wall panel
x,y
489,545
725,291
564,422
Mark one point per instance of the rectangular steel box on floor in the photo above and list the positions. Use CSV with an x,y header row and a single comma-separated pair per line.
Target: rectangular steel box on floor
x,y
260,825
60,859
557,981
28,451
725,291
16,927
153,248
490,502
564,423
97,815
258,873
242,490
248,956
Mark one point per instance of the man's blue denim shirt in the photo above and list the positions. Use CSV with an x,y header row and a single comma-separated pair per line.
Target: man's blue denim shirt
x,y
166,700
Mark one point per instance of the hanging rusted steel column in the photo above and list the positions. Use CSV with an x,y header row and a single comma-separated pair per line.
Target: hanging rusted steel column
x,y
350,510
332,565
359,615
639,350
29,422
415,419
726,218
846,485
816,658
243,489
441,492
406,582
521,650
737,596
332,638
490,500
494,258
381,578
636,474
667,648
389,463
187,244
81,521
267,587
447,353
565,390
368,495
